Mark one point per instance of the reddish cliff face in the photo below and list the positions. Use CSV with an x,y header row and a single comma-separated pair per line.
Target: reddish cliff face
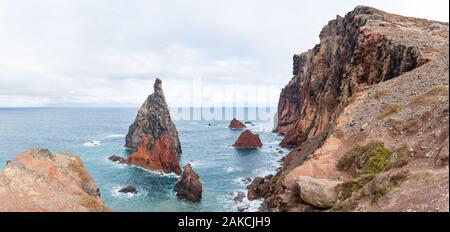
x,y
248,140
153,137
365,47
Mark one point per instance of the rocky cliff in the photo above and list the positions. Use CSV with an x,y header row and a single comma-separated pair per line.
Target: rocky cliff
x,y
372,71
153,137
39,181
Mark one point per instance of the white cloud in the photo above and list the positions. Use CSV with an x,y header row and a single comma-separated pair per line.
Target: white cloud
x,y
80,52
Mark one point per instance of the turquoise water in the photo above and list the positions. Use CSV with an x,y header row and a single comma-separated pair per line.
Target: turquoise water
x,y
207,148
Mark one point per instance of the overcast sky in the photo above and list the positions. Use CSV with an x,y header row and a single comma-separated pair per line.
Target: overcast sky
x,y
107,53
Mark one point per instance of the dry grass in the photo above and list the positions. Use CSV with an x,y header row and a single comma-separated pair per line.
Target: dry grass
x,y
430,97
382,94
92,204
388,110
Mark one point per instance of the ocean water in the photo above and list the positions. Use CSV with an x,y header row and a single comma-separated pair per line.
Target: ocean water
x,y
207,148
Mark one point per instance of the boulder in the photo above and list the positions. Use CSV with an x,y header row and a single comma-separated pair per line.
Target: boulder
x,y
153,137
320,193
40,181
236,124
248,140
189,186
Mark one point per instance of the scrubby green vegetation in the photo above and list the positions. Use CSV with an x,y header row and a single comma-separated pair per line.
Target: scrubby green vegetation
x,y
378,160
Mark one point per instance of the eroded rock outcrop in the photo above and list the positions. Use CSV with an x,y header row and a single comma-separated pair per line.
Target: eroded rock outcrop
x,y
236,124
153,137
248,140
39,181
189,186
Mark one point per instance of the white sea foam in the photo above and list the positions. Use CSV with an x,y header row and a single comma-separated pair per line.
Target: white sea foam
x,y
92,143
246,204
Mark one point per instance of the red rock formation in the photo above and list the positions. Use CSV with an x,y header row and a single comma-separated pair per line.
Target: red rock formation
x,y
162,157
236,124
248,140
355,51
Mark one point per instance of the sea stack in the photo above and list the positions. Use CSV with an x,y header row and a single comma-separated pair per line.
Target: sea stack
x,y
248,140
40,181
189,186
236,124
153,137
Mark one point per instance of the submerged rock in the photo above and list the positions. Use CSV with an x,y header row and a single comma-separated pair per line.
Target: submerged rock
x,y
320,193
129,189
248,140
236,124
39,181
189,186
153,137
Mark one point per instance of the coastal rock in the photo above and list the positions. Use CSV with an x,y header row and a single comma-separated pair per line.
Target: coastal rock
x,y
239,197
236,124
128,189
153,137
189,186
258,188
248,140
39,181
320,193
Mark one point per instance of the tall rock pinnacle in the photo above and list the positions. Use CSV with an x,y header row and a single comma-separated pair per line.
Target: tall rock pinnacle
x,y
153,137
